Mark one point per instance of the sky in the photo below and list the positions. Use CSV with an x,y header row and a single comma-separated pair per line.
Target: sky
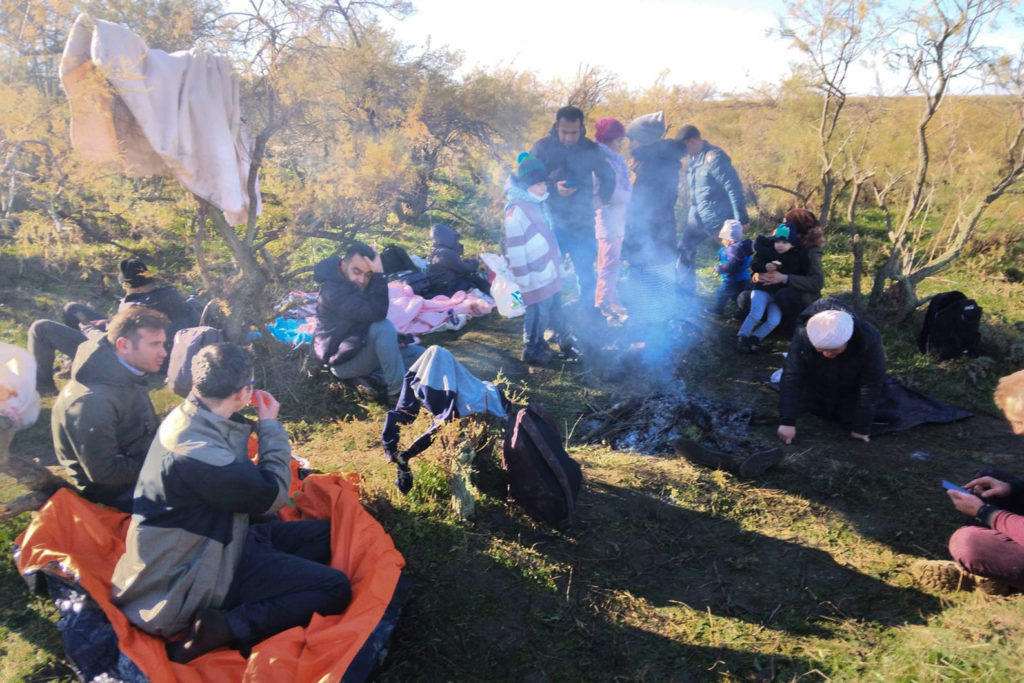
x,y
726,42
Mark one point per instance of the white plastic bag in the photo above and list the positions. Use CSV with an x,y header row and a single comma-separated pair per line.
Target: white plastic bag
x,y
504,289
19,399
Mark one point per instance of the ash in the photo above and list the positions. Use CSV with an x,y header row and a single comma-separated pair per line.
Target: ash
x,y
648,424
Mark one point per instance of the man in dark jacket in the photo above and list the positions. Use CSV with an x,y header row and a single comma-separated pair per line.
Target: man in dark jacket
x,y
835,369
353,335
103,420
46,337
193,559
716,195
573,161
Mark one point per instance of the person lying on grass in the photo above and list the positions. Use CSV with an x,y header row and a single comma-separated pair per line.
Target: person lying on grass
x,y
989,553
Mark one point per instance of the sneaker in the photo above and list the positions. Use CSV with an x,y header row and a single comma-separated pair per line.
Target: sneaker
x,y
757,463
45,390
540,355
701,455
403,480
754,345
364,387
946,576
743,344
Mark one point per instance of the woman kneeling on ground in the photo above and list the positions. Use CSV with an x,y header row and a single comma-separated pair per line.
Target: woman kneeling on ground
x,y
989,554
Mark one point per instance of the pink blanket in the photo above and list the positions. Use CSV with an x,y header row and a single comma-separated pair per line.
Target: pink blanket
x,y
412,314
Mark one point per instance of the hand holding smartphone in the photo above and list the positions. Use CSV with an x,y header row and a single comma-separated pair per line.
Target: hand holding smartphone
x,y
950,486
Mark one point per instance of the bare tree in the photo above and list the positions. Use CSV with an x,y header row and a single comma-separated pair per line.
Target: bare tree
x,y
943,46
832,35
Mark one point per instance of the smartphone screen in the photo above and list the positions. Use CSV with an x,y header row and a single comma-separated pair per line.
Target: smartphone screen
x,y
953,487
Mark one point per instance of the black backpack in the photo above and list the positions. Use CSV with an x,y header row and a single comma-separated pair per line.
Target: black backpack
x,y
950,327
395,259
187,343
542,477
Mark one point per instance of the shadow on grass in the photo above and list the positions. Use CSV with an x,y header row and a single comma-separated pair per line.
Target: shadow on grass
x,y
486,612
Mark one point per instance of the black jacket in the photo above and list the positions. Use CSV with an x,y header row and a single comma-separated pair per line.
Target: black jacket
x,y
574,214
651,215
856,376
447,271
794,261
344,312
168,301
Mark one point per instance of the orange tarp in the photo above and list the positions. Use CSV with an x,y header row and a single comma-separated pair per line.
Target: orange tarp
x,y
86,541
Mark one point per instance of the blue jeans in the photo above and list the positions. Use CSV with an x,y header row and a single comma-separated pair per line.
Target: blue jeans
x,y
728,290
539,318
761,306
382,356
282,579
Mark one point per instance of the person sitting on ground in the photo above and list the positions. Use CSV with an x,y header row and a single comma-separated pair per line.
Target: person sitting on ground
x,y
735,256
447,271
779,254
835,369
533,256
797,292
81,322
103,421
353,335
989,554
193,559
610,217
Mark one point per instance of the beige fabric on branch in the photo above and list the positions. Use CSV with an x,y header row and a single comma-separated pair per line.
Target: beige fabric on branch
x,y
154,113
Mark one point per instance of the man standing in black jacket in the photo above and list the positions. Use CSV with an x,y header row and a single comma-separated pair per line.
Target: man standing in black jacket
x,y
573,161
353,335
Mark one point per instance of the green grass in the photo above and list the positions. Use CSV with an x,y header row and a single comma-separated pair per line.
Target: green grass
x,y
672,573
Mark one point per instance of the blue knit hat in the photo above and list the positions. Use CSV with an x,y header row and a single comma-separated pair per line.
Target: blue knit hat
x,y
531,170
784,232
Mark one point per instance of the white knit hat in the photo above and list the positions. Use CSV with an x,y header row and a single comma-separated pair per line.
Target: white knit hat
x,y
732,229
830,329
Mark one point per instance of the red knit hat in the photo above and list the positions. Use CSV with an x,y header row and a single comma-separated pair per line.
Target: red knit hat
x,y
608,129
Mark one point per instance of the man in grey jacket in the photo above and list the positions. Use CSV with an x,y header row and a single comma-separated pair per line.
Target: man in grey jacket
x,y
193,560
716,195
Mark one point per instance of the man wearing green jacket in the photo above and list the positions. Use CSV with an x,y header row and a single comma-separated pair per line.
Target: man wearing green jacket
x,y
103,420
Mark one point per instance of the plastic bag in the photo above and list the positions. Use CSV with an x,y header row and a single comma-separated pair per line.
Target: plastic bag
x,y
503,287
19,399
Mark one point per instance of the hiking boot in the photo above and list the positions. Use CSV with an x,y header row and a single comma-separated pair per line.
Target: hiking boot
x,y
946,576
743,344
364,387
701,455
757,463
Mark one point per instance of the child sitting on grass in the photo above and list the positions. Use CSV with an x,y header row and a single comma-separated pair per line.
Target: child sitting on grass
x,y
780,253
735,256
533,256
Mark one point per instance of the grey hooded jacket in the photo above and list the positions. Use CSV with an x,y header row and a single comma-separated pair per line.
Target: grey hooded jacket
x,y
196,492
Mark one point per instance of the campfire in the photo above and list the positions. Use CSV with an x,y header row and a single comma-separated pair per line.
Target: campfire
x,y
648,424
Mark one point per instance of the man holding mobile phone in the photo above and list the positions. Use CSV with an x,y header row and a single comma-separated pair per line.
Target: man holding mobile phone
x,y
574,161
